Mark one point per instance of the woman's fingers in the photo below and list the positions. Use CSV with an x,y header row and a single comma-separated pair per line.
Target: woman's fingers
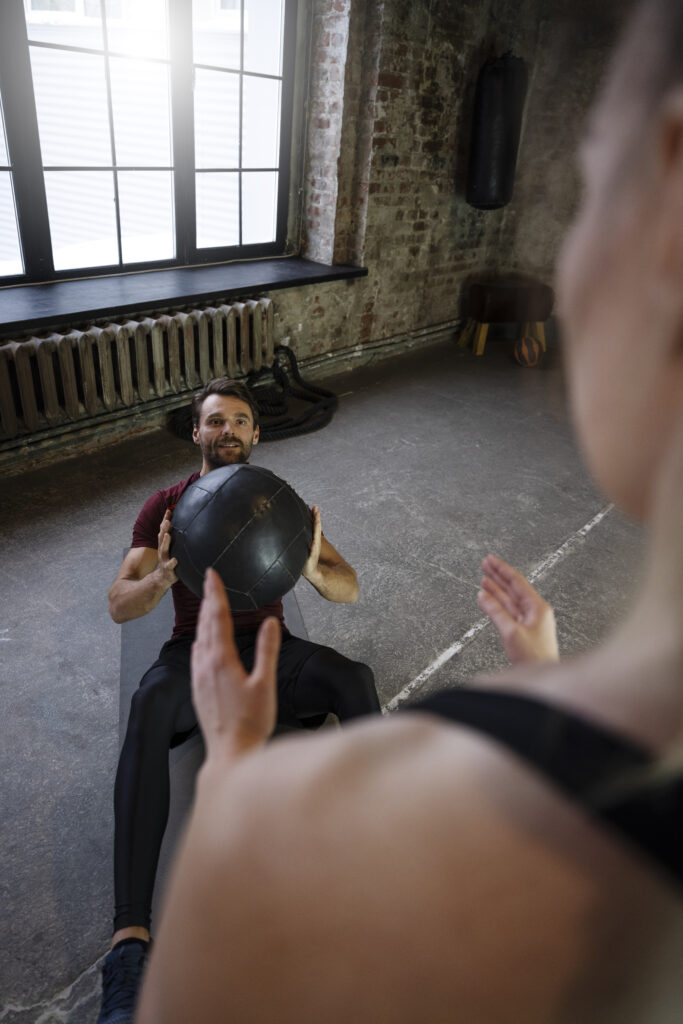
x,y
267,650
506,577
497,613
525,597
502,596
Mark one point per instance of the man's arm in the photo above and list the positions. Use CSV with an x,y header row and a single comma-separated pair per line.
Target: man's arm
x,y
143,579
327,571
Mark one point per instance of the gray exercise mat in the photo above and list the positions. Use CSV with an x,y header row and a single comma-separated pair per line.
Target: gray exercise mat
x,y
141,641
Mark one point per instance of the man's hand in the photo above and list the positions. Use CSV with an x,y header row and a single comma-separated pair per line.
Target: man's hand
x,y
144,577
326,570
310,569
525,621
166,567
236,711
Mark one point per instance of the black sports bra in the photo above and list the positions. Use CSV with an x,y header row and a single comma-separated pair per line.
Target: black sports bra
x,y
611,777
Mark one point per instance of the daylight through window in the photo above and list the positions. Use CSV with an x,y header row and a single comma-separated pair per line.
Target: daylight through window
x,y
132,148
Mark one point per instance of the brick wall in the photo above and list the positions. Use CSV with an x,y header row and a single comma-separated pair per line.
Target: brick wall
x,y
389,114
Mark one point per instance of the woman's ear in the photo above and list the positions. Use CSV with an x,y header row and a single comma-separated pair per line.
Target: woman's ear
x,y
670,190
671,129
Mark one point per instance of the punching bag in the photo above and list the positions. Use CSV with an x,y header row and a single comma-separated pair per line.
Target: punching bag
x,y
496,125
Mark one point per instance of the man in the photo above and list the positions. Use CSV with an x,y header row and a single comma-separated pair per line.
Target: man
x,y
509,855
312,679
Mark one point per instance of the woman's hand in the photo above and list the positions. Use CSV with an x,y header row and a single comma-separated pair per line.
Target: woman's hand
x,y
236,711
525,621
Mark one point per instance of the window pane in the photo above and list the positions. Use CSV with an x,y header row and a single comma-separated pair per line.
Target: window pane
x,y
259,207
146,205
216,119
64,22
217,210
82,218
261,122
4,158
52,5
140,98
263,21
216,35
137,27
71,100
10,250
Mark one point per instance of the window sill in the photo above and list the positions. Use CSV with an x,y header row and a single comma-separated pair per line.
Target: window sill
x,y
39,306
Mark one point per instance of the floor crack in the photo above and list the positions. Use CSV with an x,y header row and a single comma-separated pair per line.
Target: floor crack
x,y
51,1010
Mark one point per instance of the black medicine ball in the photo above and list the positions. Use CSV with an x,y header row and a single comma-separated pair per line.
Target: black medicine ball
x,y
248,525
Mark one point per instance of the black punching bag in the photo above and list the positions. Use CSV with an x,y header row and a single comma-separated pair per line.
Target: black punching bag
x,y
496,125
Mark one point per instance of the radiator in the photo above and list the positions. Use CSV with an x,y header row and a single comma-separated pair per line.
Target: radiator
x,y
54,379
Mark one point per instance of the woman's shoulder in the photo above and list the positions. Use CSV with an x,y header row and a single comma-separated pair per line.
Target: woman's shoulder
x,y
452,856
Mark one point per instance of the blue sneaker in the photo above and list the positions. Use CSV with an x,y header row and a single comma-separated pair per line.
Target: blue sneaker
x,y
121,976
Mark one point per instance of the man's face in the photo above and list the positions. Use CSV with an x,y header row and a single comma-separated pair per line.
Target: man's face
x,y
226,432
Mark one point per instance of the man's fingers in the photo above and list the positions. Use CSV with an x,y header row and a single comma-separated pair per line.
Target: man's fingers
x,y
317,524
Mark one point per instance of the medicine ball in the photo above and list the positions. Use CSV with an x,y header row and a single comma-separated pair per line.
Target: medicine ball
x,y
248,525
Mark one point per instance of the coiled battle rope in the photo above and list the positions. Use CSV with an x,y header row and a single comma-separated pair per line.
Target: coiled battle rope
x,y
273,401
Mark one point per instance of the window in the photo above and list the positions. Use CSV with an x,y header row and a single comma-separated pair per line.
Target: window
x,y
122,147
10,252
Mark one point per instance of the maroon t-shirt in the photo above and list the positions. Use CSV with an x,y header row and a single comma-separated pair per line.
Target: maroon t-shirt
x,y
146,535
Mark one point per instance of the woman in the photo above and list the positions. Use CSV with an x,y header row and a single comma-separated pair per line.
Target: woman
x,y
428,867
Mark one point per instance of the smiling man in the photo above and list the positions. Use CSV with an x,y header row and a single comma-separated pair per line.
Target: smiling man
x,y
312,680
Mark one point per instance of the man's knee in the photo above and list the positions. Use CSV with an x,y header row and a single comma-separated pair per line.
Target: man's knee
x,y
155,703
330,681
363,677
357,690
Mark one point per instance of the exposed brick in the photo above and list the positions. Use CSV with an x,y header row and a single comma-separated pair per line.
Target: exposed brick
x,y
389,126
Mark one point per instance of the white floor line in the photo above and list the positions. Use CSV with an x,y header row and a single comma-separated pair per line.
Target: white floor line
x,y
450,652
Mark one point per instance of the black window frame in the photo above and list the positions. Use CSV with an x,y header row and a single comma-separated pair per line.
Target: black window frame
x,y
25,159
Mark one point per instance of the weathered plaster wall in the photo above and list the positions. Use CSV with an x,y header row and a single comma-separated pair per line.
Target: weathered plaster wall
x,y
392,86
574,42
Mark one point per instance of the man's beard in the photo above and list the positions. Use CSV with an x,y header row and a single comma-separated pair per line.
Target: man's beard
x,y
217,455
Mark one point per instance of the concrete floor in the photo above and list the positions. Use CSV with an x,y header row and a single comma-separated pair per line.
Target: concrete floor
x,y
432,460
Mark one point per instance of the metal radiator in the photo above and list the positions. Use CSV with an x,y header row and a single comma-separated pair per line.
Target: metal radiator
x,y
51,380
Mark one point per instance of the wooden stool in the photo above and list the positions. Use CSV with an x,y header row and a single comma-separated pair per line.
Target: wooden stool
x,y
509,298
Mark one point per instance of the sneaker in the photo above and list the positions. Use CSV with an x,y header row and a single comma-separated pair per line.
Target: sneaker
x,y
121,976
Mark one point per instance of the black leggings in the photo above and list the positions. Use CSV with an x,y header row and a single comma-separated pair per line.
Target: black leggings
x,y
312,681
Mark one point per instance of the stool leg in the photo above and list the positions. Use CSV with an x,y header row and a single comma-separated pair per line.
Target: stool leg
x,y
539,331
480,339
466,333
